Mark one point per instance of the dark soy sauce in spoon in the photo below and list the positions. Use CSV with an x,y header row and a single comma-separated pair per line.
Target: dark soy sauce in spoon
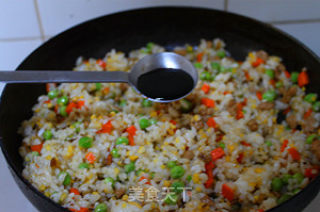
x,y
165,83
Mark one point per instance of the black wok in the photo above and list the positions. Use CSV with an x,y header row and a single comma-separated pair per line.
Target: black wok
x,y
167,26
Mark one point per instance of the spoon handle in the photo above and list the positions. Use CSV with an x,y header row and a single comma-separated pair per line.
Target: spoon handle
x,y
62,76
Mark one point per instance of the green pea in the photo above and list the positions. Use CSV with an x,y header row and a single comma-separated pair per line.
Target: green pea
x,y
171,199
53,94
215,66
284,198
63,100
98,86
178,187
276,184
171,164
203,75
122,140
123,103
109,180
310,138
221,53
144,123
84,166
269,95
285,178
311,97
102,207
67,178
85,142
76,125
63,111
279,84
316,106
185,105
149,46
177,172
146,103
189,178
198,65
129,167
34,153
222,145
153,121
294,77
298,177
47,135
269,143
115,153
270,73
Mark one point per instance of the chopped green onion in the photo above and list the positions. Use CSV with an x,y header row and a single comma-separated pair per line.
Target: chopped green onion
x,y
311,97
269,95
270,73
294,77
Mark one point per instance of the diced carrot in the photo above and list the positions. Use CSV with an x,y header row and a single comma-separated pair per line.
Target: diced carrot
x,y
239,115
209,182
90,157
106,128
81,210
205,88
217,153
286,111
260,210
56,107
312,172
131,140
258,62
244,102
307,114
240,157
80,104
101,63
212,123
75,191
199,56
37,165
50,86
173,122
284,145
145,179
208,102
227,192
247,75
209,168
70,107
131,130
106,90
272,82
294,154
47,101
259,95
36,148
287,74
245,143
109,159
226,92
303,79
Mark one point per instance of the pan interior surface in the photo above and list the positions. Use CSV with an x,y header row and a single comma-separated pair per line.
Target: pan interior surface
x,y
169,27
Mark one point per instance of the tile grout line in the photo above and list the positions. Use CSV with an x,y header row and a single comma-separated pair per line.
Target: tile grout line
x,y
39,20
316,20
19,39
226,4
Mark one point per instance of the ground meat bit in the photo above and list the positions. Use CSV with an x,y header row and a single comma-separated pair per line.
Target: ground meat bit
x,y
206,111
279,69
288,94
182,52
209,44
253,125
232,107
53,162
108,160
206,157
266,130
123,87
292,122
119,192
266,106
309,124
188,155
197,124
263,55
315,148
207,201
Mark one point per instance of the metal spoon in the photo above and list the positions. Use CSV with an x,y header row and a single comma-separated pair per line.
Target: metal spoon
x,y
147,64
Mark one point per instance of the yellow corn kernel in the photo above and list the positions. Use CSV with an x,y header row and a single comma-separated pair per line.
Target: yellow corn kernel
x,y
252,57
189,48
252,184
95,193
256,197
37,110
228,158
124,205
125,197
172,126
135,204
153,114
116,171
259,170
166,183
230,148
141,150
42,187
162,166
49,157
133,157
170,132
112,113
196,178
49,105
303,88
241,135
70,150
48,147
203,135
47,193
234,70
92,117
177,140
198,189
63,197
196,118
253,106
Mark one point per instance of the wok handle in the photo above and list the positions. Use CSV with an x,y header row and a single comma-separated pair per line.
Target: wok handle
x,y
63,76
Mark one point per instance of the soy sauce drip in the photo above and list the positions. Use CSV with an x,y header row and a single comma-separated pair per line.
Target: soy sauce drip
x,y
165,83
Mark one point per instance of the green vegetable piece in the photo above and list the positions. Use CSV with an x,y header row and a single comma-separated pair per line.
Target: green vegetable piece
x,y
129,167
189,178
284,198
198,65
139,172
144,123
215,66
311,97
171,199
203,75
298,177
76,125
153,121
63,101
84,166
47,135
177,172
276,184
115,153
149,46
269,143
178,187
186,105
310,138
102,207
123,103
171,164
67,178
270,73
269,95
109,180
122,140
222,145
85,142
285,178
221,53
316,106
152,174
294,77
279,84
146,103
53,94
98,86
34,153
63,111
